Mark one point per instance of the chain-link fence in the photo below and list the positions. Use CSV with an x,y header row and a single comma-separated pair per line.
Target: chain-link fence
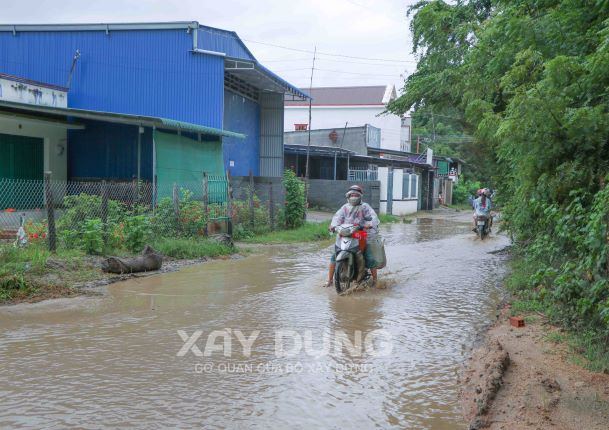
x,y
96,215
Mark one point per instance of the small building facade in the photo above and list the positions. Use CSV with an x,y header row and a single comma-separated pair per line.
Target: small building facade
x,y
340,107
407,182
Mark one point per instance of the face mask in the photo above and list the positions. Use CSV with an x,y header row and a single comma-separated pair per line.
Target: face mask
x,y
354,201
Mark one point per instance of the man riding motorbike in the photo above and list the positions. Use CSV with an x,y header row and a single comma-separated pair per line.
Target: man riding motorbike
x,y
355,212
482,207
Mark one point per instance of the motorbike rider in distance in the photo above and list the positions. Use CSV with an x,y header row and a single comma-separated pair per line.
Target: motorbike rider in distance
x,y
355,212
482,206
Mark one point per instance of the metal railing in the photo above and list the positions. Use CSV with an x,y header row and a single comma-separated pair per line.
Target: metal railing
x,y
363,175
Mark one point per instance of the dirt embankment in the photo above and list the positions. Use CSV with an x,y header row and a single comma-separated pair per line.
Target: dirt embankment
x,y
520,380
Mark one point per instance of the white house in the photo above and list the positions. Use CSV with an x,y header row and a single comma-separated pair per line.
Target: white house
x,y
335,107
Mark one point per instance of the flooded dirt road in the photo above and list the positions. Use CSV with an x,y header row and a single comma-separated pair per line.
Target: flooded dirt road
x,y
114,361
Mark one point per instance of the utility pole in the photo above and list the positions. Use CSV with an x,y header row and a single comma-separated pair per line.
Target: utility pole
x,y
310,106
309,138
433,126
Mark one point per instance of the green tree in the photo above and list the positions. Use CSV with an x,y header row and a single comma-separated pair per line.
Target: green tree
x,y
530,79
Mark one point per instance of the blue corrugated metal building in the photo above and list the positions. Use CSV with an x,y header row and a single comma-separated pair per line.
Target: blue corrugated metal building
x,y
132,84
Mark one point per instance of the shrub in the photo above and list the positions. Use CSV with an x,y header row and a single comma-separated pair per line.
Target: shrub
x,y
246,226
92,236
192,219
136,232
463,190
80,225
294,200
83,207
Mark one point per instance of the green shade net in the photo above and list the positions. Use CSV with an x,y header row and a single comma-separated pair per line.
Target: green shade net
x,y
443,167
183,161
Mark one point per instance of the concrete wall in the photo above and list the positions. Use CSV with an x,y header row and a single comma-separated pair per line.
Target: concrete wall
x,y
329,194
399,204
355,116
55,140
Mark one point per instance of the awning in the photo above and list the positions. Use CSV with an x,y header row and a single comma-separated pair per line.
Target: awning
x,y
258,76
316,150
120,118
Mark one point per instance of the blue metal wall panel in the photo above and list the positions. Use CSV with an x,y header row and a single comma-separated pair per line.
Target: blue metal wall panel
x,y
241,115
215,39
108,151
145,72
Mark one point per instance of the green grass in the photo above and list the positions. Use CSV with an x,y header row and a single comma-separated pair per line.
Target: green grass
x,y
461,206
309,232
523,306
191,248
389,219
555,337
33,271
589,351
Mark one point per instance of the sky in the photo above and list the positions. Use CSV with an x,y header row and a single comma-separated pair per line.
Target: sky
x,y
374,31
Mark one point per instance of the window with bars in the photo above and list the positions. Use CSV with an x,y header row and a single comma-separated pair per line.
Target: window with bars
x,y
410,186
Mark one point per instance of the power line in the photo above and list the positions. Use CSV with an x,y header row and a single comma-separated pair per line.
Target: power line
x,y
278,60
306,51
337,71
330,54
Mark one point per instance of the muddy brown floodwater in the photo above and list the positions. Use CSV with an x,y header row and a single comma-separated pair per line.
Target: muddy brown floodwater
x,y
113,361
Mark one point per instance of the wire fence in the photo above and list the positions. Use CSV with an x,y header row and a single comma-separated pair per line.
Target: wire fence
x,y
114,215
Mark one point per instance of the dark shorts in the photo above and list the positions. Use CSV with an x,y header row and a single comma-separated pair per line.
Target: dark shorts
x,y
370,262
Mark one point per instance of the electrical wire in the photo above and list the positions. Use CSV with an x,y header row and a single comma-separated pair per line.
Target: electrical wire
x,y
278,60
336,71
330,54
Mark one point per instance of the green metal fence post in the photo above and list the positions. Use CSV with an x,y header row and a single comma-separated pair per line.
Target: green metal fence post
x,y
229,205
205,204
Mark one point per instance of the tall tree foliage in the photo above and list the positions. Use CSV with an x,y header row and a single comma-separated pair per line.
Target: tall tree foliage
x,y
530,78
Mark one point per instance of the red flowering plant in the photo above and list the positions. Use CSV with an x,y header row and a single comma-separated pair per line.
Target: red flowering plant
x,y
192,219
36,230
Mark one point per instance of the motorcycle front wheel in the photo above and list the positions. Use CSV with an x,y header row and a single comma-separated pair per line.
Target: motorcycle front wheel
x,y
342,272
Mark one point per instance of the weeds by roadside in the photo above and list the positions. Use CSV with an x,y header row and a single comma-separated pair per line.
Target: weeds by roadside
x,y
589,347
389,219
185,248
310,231
33,273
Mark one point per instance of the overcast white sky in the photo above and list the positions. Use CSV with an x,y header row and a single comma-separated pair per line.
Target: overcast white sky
x,y
376,29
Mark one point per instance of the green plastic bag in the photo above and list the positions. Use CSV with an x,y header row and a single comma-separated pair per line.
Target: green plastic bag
x,y
376,250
